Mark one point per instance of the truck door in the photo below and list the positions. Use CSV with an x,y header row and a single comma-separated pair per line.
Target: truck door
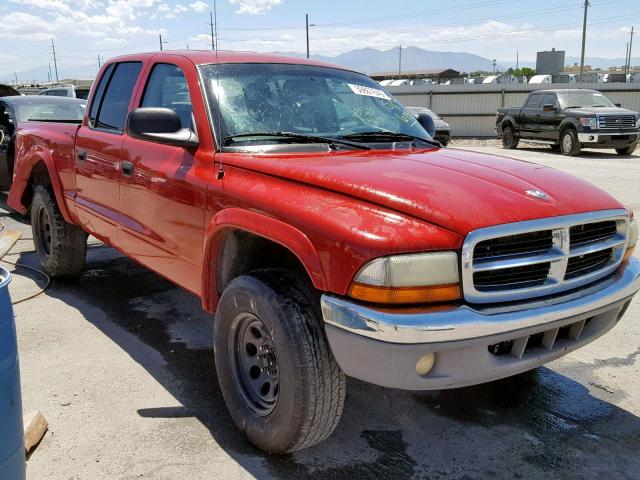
x,y
163,193
530,117
99,148
549,120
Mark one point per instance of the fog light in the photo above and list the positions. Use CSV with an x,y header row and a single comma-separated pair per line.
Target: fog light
x,y
425,364
591,137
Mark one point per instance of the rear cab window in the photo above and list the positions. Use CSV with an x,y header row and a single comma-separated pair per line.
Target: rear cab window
x,y
533,101
110,104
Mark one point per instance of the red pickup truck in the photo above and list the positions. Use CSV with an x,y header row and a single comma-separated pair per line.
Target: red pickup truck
x,y
327,231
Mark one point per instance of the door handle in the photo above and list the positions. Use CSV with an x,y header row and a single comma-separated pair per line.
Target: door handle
x,y
127,168
81,154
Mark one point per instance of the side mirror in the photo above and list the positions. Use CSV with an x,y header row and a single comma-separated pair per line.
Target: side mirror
x,y
160,125
427,123
618,105
549,108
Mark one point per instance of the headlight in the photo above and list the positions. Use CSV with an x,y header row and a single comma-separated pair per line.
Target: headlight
x,y
632,236
638,122
591,122
411,278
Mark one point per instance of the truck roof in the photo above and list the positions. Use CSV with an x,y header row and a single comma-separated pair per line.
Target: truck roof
x,y
563,90
201,57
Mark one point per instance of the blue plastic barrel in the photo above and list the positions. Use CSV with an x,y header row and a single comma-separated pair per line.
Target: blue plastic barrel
x,y
12,460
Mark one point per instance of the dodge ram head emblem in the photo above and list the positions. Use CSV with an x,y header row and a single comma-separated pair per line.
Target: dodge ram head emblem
x,y
536,194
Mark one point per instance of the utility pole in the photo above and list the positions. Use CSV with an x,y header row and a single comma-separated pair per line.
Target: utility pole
x,y
494,65
517,60
160,36
630,46
99,62
213,43
400,60
584,37
306,17
626,59
16,74
55,62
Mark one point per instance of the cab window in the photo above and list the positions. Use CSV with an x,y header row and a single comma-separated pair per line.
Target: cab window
x,y
549,99
167,88
533,101
114,104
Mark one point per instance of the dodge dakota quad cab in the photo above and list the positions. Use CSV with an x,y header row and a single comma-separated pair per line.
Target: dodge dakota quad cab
x,y
569,120
330,235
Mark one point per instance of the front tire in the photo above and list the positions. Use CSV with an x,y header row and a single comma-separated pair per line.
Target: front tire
x,y
61,246
509,138
280,382
627,150
569,144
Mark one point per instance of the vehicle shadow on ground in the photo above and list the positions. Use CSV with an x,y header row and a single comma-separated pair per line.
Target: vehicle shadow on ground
x,y
534,425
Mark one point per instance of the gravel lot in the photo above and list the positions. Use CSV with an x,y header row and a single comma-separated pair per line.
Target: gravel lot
x,y
121,364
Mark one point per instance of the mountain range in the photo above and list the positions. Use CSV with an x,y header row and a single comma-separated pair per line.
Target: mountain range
x,y
367,60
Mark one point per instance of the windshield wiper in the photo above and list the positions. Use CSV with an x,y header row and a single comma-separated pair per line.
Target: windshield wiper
x,y
333,142
387,135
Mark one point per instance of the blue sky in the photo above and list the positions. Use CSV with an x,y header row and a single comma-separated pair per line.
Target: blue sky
x,y
84,29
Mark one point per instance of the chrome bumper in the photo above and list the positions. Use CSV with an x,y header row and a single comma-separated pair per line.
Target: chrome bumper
x,y
382,346
594,137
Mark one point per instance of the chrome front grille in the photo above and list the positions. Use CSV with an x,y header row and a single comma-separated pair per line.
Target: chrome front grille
x,y
529,259
616,121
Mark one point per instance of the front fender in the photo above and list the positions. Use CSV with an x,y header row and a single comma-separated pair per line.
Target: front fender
x,y
569,122
275,230
28,160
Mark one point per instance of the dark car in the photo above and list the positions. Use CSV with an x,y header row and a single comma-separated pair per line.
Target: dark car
x,y
18,109
570,120
443,129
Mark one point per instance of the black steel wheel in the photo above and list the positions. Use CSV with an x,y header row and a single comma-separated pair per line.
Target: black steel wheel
x,y
254,363
43,226
509,138
280,382
61,246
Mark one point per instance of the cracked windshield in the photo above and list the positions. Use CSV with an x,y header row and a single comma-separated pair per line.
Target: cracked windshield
x,y
306,101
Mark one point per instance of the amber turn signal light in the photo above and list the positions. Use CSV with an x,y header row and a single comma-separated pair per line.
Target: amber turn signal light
x,y
405,295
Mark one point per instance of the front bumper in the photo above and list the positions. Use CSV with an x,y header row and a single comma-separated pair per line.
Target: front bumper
x,y
606,139
383,346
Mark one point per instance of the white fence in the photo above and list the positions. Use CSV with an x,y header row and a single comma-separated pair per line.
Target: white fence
x,y
471,109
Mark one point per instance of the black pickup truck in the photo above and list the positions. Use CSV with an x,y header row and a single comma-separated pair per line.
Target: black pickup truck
x,y
569,120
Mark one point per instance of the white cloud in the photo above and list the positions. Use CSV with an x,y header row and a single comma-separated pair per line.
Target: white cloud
x,y
199,6
254,7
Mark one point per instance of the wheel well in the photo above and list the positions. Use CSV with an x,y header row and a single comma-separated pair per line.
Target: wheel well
x,y
507,123
242,252
564,128
39,176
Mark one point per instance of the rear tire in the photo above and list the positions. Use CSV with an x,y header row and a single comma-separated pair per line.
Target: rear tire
x,y
569,144
280,382
509,138
627,150
61,246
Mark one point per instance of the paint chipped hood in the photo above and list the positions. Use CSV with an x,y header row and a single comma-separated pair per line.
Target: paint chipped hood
x,y
454,189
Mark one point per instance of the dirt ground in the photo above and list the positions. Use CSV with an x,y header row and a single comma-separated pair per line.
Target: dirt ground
x,y
120,362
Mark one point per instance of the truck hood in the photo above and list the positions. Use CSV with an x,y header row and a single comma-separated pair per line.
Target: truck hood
x,y
600,111
454,189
